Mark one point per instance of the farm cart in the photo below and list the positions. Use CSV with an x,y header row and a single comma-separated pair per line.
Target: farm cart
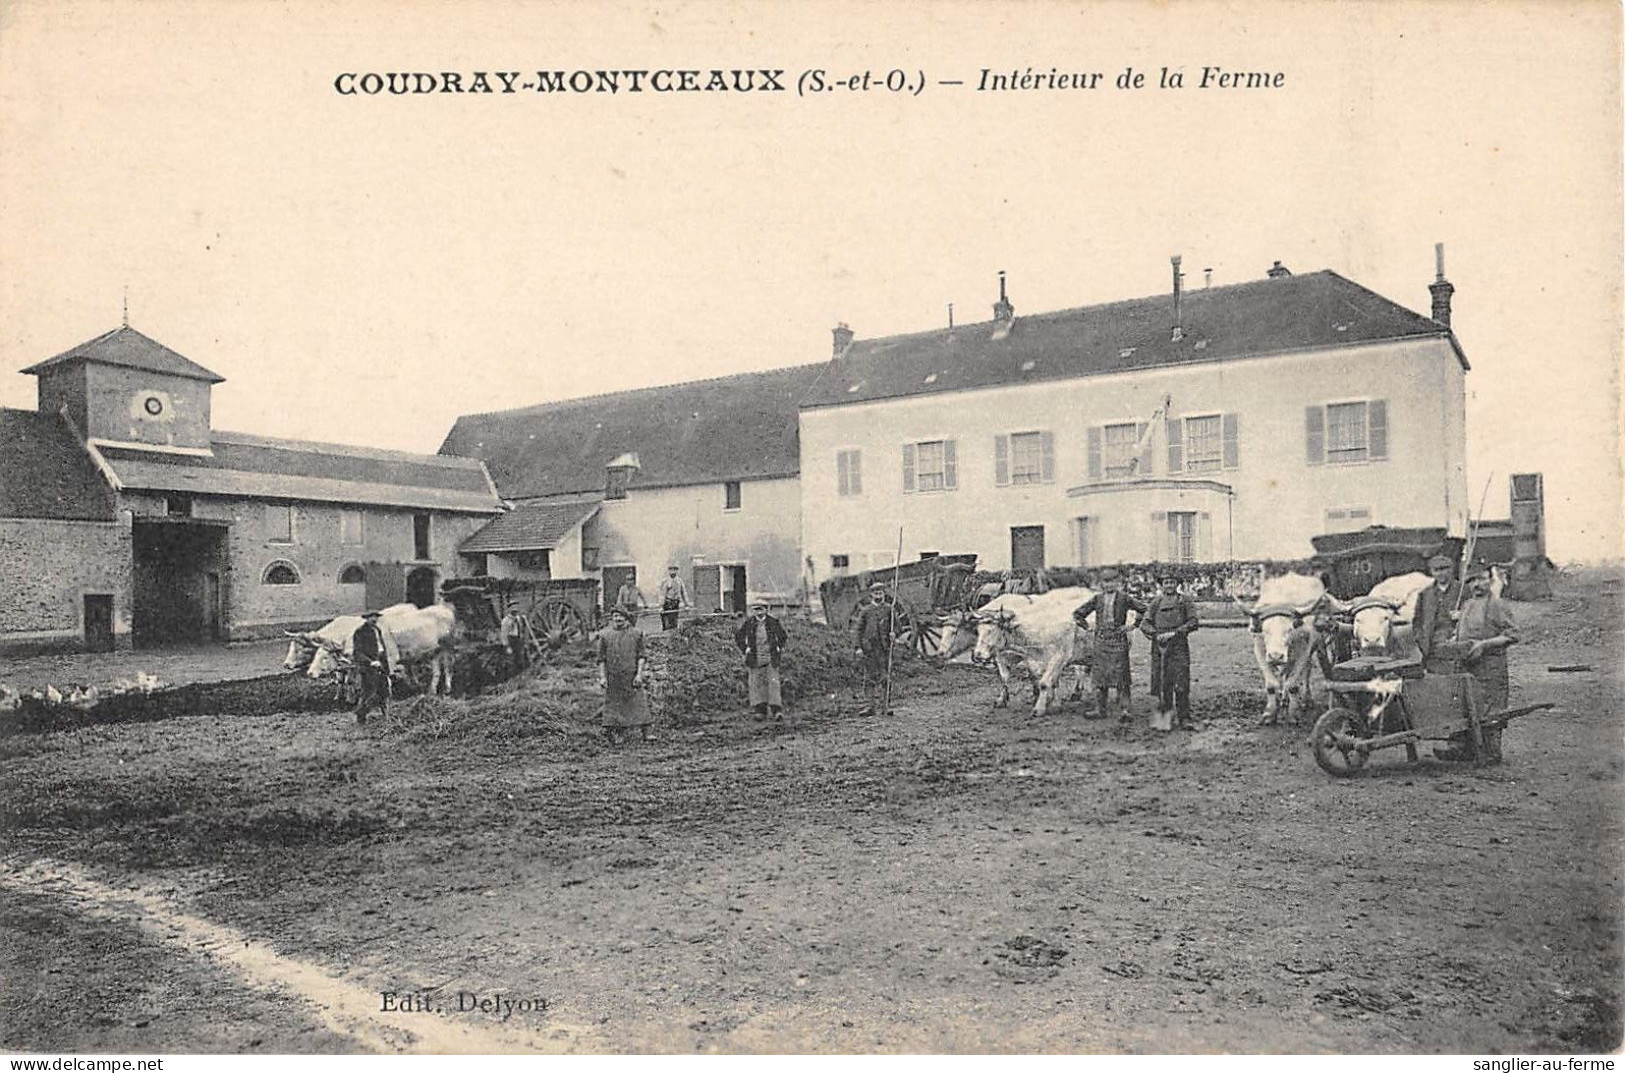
x,y
927,590
552,612
1354,562
1378,703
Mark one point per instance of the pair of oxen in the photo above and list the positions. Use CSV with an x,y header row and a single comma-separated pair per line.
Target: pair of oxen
x,y
1291,619
413,637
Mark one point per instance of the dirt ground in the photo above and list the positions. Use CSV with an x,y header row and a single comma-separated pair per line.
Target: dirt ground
x,y
175,665
952,878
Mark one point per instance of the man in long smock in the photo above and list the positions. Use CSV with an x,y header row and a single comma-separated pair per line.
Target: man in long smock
x,y
620,653
1109,667
761,638
877,627
1485,626
1169,623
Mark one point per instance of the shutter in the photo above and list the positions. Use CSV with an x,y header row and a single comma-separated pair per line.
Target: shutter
x,y
843,473
1377,428
1176,446
854,471
1204,537
1046,464
1144,469
1001,460
908,467
1159,535
1314,427
1232,441
1094,453
950,464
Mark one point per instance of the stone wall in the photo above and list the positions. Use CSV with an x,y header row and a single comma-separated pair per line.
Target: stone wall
x,y
52,566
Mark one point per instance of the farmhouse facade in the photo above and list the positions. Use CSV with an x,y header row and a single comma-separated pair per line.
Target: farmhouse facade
x,y
700,475
126,518
1226,423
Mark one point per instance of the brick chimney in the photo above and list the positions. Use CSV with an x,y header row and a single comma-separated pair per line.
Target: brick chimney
x,y
843,338
1440,288
1179,288
1278,271
1002,309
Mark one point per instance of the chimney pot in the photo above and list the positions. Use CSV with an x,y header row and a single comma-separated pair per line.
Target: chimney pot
x,y
1440,288
1278,271
1002,309
843,338
1207,277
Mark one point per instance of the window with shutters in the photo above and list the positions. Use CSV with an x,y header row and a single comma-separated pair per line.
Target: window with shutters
x,y
1024,458
930,466
1347,432
1204,444
849,473
1182,536
1121,450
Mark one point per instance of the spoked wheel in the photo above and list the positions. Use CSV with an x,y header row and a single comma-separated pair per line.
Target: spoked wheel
x,y
921,632
1334,740
558,621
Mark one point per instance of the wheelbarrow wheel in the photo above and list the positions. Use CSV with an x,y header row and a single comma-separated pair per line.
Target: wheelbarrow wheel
x,y
1333,743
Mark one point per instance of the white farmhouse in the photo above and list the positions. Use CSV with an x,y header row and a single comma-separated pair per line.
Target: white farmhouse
x,y
1224,423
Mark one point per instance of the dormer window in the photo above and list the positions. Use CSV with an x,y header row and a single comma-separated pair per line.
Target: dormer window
x,y
616,479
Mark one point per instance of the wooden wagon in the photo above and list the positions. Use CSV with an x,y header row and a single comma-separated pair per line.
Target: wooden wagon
x,y
552,612
1354,562
928,590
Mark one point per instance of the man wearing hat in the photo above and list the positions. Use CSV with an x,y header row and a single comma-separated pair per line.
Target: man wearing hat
x,y
1109,667
1169,622
877,627
673,598
1486,628
371,657
1436,608
620,673
761,638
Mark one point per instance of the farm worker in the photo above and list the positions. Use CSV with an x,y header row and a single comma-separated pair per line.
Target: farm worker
x,y
620,655
513,639
1486,627
371,658
1169,622
1109,667
761,638
877,626
631,598
1436,615
673,598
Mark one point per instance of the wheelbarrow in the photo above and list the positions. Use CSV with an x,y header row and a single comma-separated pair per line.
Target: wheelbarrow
x,y
1382,703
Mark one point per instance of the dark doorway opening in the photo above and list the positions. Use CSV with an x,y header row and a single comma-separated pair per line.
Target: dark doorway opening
x,y
420,584
179,596
736,589
421,544
98,623
1027,547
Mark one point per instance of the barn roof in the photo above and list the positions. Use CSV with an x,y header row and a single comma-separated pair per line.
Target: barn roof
x,y
45,471
127,347
530,527
704,431
1270,316
265,468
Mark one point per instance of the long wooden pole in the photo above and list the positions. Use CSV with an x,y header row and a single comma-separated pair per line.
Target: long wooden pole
x,y
891,624
1472,540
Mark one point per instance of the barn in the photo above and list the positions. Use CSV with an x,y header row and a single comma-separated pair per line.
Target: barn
x,y
127,520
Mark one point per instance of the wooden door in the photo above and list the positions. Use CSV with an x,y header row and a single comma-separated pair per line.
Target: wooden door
x,y
707,588
736,590
98,623
1027,547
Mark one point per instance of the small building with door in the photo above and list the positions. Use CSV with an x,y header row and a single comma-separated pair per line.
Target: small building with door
x,y
126,518
1224,423
701,475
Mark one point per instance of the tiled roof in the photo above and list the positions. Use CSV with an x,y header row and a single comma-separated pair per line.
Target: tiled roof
x,y
265,468
127,347
530,527
45,471
1270,316
730,428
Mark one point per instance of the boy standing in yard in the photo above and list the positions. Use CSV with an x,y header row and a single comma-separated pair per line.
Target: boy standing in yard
x,y
620,673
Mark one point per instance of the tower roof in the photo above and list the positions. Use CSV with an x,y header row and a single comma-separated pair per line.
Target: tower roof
x,y
129,348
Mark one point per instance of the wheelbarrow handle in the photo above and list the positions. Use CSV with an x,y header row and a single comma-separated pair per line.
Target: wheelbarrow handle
x,y
1506,715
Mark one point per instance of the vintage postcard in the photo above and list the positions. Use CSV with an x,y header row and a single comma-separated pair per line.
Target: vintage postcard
x,y
722,527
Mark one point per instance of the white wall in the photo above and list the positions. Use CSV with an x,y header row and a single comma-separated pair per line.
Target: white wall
x,y
1279,500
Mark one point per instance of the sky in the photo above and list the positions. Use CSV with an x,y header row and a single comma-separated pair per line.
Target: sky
x,y
364,269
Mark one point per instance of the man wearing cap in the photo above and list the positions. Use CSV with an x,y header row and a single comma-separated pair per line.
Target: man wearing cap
x,y
1169,622
630,597
1436,608
1109,667
620,673
761,638
372,660
673,598
877,626
1486,628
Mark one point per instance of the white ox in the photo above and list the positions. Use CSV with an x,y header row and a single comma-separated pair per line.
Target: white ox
x,y
1284,638
411,635
1037,628
1383,617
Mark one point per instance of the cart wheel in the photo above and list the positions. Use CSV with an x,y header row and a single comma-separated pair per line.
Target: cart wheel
x,y
1333,742
560,622
924,635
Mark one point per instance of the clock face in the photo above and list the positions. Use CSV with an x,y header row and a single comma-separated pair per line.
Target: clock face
x,y
153,405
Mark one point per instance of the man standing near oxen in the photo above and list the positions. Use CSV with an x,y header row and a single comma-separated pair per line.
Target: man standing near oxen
x,y
673,598
1169,623
1485,626
372,660
877,627
1109,668
761,638
1436,607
